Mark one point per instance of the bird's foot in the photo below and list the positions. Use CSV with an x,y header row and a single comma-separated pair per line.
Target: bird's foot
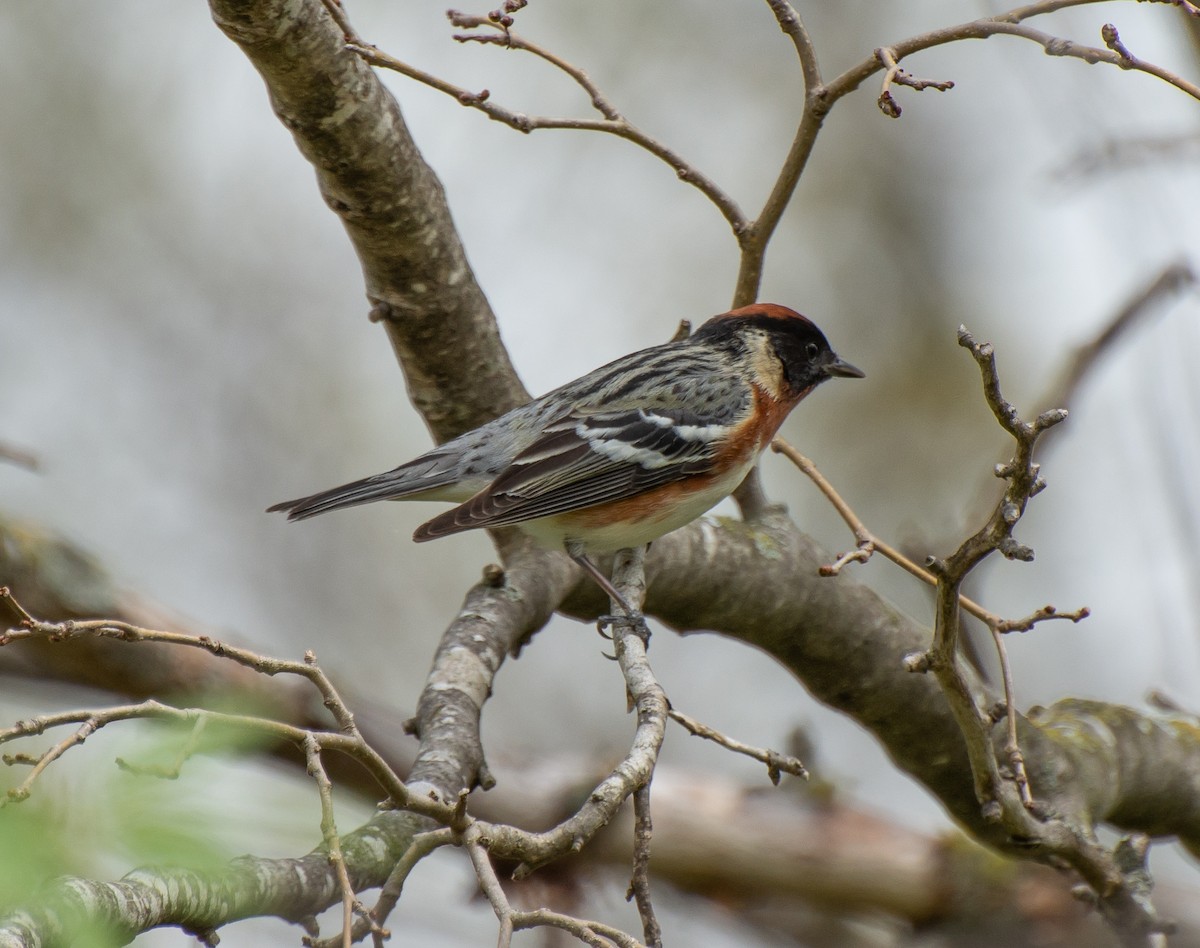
x,y
635,622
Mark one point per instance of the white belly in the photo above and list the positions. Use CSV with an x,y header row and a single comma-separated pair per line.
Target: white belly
x,y
554,535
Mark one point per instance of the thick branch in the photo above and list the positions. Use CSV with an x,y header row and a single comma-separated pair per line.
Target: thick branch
x,y
754,582
371,174
846,645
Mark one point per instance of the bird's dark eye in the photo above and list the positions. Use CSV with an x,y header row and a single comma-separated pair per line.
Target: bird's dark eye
x,y
812,350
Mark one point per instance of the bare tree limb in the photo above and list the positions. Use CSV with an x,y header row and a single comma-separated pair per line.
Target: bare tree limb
x,y
371,175
391,203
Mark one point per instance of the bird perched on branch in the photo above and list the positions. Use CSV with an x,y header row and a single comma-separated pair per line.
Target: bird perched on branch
x,y
624,454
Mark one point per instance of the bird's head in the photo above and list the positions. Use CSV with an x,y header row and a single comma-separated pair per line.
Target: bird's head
x,y
786,352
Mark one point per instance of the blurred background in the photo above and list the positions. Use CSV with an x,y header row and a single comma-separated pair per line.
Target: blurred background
x,y
184,341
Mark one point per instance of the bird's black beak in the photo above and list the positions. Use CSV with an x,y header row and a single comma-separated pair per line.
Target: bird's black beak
x,y
836,368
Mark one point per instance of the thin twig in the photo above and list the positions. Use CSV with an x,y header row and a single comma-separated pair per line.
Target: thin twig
x,y
489,884
612,123
421,846
1008,799
333,841
1126,60
507,38
894,74
127,632
371,923
10,600
596,934
590,933
90,725
634,772
868,544
776,762
1012,747
639,883
1044,614
172,771
647,697
93,719
793,26
1002,24
821,97
753,236
347,739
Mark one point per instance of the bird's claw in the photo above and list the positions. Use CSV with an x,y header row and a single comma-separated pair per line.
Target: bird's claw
x,y
636,623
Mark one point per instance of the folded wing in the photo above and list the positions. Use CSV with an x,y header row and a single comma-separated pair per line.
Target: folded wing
x,y
582,460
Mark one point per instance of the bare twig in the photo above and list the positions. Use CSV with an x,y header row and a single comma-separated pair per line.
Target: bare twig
x,y
612,122
1004,24
21,792
1010,801
591,933
1126,60
422,845
346,740
10,600
596,934
512,843
753,235
639,883
1024,480
821,97
1006,799
489,884
776,762
507,38
172,771
646,695
1012,746
793,26
894,74
90,720
127,632
868,544
333,841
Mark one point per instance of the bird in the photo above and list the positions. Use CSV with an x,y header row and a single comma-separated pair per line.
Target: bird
x,y
624,454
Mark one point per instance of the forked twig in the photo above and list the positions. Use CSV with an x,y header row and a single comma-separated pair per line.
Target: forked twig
x,y
894,74
612,122
754,234
868,544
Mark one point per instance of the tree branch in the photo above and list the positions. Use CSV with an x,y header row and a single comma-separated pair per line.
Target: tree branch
x,y
391,203
611,122
417,279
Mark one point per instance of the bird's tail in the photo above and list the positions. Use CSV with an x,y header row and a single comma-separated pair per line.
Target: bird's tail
x,y
428,480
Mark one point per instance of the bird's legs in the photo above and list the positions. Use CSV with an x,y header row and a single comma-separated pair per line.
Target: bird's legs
x,y
632,617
